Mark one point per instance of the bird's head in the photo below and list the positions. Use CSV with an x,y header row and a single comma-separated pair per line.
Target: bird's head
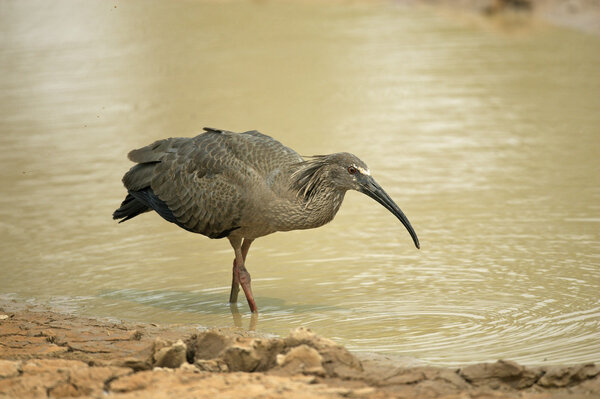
x,y
346,171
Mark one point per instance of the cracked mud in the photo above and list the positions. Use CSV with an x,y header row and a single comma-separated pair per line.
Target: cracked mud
x,y
47,354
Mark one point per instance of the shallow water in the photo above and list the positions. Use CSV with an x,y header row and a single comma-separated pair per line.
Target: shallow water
x,y
486,133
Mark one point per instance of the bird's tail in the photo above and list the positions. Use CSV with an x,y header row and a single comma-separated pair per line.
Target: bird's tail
x,y
129,208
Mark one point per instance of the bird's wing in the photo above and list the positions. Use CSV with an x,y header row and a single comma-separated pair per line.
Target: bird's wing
x,y
204,183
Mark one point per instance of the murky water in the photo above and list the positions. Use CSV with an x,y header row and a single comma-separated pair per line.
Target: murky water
x,y
486,133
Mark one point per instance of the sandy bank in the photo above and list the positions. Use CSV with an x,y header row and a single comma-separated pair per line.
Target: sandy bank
x,y
48,354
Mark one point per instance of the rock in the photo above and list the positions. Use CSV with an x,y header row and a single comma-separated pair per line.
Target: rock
x,y
212,365
171,356
557,377
158,344
241,358
208,345
586,371
451,378
9,368
500,373
301,359
252,354
136,364
259,354
189,368
337,361
590,387
405,376
303,335
241,353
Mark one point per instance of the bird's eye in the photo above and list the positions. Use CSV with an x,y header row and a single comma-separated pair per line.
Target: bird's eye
x,y
351,170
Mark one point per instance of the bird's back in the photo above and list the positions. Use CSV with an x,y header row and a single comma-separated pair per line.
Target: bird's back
x,y
211,184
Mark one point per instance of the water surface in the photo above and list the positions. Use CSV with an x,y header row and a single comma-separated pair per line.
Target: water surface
x,y
486,134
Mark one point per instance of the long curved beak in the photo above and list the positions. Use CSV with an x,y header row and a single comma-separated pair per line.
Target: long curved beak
x,y
370,187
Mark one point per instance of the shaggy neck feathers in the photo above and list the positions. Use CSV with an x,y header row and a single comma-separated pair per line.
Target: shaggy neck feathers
x,y
317,199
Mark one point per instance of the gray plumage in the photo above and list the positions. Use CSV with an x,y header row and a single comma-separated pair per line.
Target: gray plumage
x,y
242,186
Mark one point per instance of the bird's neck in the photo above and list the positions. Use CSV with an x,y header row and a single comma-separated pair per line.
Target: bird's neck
x,y
310,213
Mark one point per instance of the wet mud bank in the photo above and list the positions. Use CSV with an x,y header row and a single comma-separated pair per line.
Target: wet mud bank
x,y
48,354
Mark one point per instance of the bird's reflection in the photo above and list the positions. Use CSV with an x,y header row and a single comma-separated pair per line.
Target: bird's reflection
x,y
237,317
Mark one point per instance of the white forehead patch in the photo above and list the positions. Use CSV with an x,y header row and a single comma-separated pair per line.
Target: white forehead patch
x,y
363,171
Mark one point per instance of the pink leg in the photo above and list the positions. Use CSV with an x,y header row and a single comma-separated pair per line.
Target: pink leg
x,y
246,247
240,274
244,279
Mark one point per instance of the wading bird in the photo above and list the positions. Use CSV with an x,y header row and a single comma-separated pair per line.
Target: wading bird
x,y
243,186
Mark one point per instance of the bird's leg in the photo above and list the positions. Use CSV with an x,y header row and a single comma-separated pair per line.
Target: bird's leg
x,y
244,279
235,282
240,274
235,285
246,247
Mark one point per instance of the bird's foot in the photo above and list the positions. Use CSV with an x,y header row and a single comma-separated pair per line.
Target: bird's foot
x,y
244,280
241,277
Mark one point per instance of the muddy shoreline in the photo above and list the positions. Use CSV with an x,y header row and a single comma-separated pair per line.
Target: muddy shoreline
x,y
44,353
